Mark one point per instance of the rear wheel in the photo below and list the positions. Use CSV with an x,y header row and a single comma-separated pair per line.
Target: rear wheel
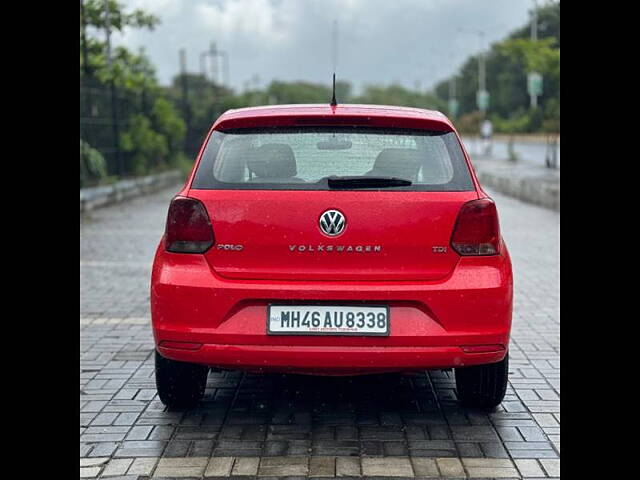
x,y
483,386
180,384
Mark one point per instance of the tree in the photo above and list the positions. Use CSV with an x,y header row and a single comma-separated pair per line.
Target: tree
x,y
94,16
298,92
507,65
154,128
128,70
205,102
92,164
148,147
399,95
538,56
168,123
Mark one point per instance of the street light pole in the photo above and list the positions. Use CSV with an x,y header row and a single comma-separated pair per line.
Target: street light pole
x,y
112,85
203,63
225,67
213,54
534,21
482,75
438,65
83,37
107,23
453,101
185,95
534,38
482,71
482,96
85,61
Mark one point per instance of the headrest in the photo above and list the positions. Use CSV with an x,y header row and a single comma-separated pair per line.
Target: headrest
x,y
397,162
273,160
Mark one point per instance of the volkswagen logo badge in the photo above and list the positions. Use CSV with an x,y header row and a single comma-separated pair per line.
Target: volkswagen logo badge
x,y
332,222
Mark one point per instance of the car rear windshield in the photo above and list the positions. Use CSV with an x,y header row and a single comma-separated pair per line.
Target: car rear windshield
x,y
319,158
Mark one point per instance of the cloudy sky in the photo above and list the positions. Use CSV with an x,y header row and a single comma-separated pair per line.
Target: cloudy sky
x,y
412,42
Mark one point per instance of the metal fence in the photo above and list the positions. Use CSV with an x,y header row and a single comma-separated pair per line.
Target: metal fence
x,y
104,115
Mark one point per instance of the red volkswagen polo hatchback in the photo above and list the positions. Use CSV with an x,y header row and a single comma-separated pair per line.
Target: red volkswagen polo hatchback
x,y
332,240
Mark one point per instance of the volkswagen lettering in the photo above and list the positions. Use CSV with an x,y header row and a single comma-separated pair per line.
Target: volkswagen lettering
x,y
332,240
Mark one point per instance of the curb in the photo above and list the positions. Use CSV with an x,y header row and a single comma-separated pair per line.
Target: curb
x,y
539,189
517,138
96,197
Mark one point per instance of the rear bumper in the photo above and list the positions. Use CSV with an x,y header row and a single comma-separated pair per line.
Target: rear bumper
x,y
222,322
330,360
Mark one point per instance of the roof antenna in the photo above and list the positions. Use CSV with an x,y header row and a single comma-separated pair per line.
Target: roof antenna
x,y
334,102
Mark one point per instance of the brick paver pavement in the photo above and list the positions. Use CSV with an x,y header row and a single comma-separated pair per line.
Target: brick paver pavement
x,y
296,426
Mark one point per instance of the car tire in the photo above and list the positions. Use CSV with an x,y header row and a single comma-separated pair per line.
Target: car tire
x,y
180,384
483,386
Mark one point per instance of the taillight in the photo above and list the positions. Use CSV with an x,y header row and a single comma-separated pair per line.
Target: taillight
x,y
188,227
477,231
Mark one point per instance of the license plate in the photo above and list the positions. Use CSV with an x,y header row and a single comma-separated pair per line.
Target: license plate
x,y
328,320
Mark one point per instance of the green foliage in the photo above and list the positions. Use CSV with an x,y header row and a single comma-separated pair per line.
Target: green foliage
x,y
149,148
517,123
298,92
128,70
523,120
94,15
93,167
551,122
539,56
154,141
469,123
507,65
343,91
168,123
182,162
548,23
206,100
399,95
164,123
155,131
132,72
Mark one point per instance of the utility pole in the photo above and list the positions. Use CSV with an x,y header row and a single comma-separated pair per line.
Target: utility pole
x,y
185,95
203,64
213,55
112,85
534,21
453,101
482,95
482,72
85,62
534,79
83,37
225,67
183,73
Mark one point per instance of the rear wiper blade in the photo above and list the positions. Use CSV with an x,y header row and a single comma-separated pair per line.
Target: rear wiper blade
x,y
366,182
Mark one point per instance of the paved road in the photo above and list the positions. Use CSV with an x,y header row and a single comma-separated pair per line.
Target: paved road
x,y
277,425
